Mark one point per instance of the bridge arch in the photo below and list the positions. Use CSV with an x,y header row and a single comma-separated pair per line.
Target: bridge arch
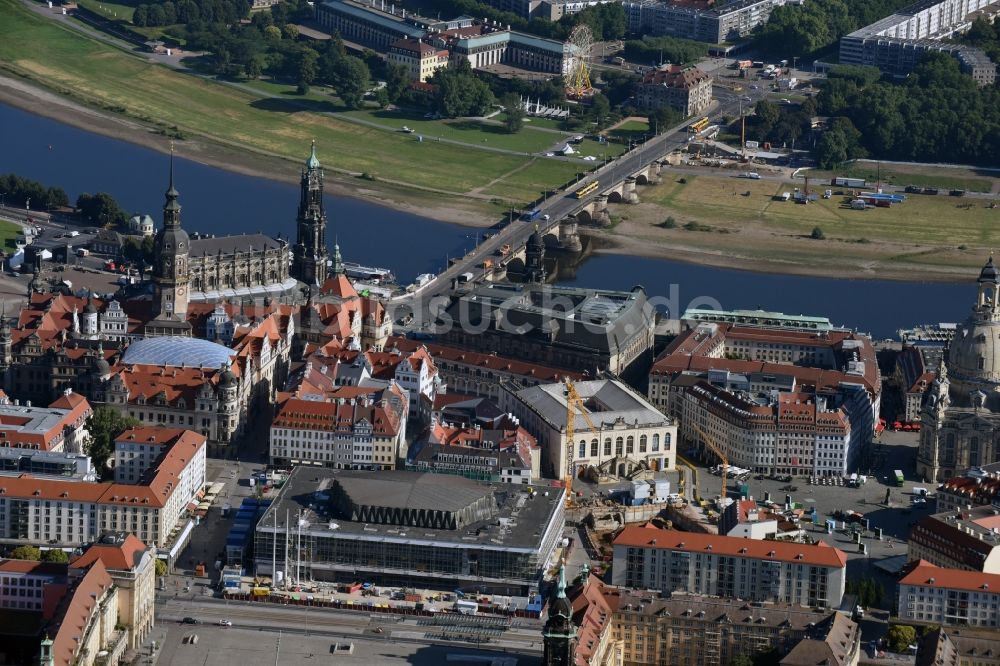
x,y
615,196
642,179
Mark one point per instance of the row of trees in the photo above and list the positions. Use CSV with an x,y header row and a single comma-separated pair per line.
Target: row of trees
x,y
656,50
807,28
186,12
33,553
102,209
17,191
938,114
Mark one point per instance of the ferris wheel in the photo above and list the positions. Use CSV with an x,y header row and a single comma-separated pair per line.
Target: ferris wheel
x,y
581,41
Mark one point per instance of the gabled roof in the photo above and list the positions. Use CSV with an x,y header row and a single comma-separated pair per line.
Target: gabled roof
x,y
122,556
928,575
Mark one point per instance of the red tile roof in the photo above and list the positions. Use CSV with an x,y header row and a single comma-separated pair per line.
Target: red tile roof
x,y
928,575
543,374
820,554
76,611
118,557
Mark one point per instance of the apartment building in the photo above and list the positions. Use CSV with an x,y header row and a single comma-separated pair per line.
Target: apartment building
x,y
934,595
951,646
630,433
645,628
777,400
978,487
497,451
73,513
672,561
967,540
684,89
352,428
700,20
132,566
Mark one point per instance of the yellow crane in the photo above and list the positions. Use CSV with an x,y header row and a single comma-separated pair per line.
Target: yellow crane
x,y
574,404
722,456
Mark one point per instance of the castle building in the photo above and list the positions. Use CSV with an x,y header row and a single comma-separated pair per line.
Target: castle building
x,y
310,255
171,248
960,420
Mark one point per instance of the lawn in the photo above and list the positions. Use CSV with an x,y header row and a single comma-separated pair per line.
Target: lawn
x,y
103,76
631,129
544,123
111,10
920,220
599,150
548,171
930,176
528,140
8,233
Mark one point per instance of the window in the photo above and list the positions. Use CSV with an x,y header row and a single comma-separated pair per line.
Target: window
x,y
619,446
656,442
593,448
607,446
583,449
642,443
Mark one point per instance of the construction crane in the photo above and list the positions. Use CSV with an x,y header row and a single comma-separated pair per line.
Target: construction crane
x,y
574,404
722,456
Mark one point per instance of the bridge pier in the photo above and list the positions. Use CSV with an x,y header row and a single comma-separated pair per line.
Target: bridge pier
x,y
629,194
569,236
601,216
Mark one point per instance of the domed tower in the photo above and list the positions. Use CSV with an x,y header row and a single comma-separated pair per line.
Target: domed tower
x,y
89,322
534,258
559,634
974,353
170,259
228,407
310,255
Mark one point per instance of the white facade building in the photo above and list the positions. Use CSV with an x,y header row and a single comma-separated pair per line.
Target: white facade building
x,y
950,597
630,431
672,561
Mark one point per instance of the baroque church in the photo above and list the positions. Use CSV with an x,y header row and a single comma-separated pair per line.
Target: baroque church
x,y
960,416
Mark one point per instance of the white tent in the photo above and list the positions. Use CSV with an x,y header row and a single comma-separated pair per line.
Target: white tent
x,y
567,150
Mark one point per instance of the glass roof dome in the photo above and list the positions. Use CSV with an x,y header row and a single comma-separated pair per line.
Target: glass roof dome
x,y
176,350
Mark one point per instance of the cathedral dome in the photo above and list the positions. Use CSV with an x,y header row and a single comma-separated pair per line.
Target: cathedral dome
x,y
974,352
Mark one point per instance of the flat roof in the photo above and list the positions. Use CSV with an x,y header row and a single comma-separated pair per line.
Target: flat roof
x,y
383,20
412,490
519,524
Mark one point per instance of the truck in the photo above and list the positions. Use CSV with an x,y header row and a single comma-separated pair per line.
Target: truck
x,y
848,182
465,277
899,477
466,607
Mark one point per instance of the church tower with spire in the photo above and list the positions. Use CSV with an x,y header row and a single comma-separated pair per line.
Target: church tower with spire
x,y
559,634
310,255
171,275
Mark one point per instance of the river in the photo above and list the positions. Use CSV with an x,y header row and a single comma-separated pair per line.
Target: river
x,y
220,202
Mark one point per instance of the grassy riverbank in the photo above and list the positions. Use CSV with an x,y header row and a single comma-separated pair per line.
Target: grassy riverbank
x,y
89,71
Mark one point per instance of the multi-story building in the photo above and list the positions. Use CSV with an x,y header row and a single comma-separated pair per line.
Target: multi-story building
x,y
482,373
420,58
365,25
74,513
960,420
498,451
406,528
515,49
934,595
132,566
950,646
351,428
631,435
583,330
967,540
47,464
776,400
644,628
746,520
58,428
911,378
896,43
672,561
979,487
684,89
700,21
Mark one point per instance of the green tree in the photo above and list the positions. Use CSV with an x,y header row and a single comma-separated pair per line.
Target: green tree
x,y
103,426
26,553
513,119
600,110
169,13
900,637
767,112
140,17
307,66
397,79
55,555
156,16
351,79
817,234
161,567
272,33
254,66
101,208
741,660
460,92
381,98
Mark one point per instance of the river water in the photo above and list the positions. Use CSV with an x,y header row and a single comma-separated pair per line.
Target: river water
x,y
220,202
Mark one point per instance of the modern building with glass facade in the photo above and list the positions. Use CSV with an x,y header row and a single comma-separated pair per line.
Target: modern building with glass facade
x,y
408,529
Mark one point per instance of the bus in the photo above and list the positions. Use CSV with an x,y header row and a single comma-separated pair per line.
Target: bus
x,y
586,189
899,477
698,125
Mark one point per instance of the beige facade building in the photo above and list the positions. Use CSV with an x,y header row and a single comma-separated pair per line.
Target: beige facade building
x,y
949,597
967,540
684,89
420,58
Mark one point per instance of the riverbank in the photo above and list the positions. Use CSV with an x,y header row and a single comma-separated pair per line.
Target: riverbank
x,y
34,99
